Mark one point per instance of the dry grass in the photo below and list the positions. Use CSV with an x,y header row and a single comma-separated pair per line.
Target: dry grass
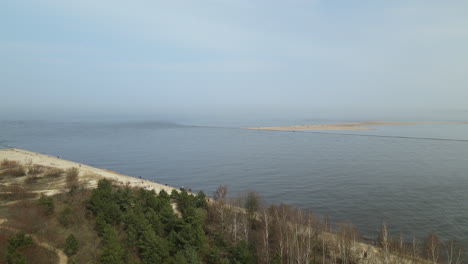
x,y
72,174
7,164
54,173
17,192
31,180
36,169
17,171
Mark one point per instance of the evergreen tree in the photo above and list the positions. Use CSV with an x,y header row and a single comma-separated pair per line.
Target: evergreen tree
x,y
47,203
20,240
71,245
153,249
242,254
112,251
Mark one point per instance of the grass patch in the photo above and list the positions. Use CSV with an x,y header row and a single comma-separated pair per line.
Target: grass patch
x,y
16,192
54,173
14,171
31,180
7,164
36,169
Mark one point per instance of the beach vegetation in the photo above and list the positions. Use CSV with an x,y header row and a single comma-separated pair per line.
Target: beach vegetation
x,y
36,169
71,245
54,173
7,164
119,224
17,171
47,203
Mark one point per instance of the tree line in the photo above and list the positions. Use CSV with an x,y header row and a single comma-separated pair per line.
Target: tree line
x,y
118,224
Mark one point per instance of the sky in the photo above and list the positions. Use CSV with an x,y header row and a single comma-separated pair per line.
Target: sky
x,y
227,57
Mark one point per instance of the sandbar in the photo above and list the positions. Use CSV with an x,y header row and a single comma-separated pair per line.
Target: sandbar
x,y
346,126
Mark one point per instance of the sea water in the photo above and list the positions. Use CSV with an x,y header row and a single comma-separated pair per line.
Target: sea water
x,y
413,177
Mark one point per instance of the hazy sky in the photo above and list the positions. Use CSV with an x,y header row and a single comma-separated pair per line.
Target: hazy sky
x,y
249,56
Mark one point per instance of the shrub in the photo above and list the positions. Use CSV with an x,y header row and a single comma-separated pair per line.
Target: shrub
x,y
6,164
31,180
48,204
15,171
27,215
71,245
54,173
16,191
66,217
20,240
36,169
72,177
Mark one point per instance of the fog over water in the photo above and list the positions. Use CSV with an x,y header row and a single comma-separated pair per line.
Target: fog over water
x,y
160,89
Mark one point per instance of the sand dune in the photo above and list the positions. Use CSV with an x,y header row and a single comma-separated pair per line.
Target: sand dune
x,y
87,175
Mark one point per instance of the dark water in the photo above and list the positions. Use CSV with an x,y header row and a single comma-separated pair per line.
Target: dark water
x,y
415,178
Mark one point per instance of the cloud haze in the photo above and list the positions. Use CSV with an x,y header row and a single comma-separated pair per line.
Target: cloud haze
x,y
249,56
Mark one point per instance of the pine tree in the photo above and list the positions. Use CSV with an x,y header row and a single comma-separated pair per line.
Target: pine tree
x,y
20,240
112,252
153,249
71,245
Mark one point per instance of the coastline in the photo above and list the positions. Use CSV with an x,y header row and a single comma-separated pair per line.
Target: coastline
x,y
88,175
346,126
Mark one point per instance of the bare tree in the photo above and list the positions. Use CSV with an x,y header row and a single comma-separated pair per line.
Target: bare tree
x,y
432,247
252,203
220,193
280,214
220,210
235,219
384,242
415,247
346,242
266,224
454,252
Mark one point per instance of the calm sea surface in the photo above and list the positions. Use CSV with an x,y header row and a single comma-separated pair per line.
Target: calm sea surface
x,y
415,178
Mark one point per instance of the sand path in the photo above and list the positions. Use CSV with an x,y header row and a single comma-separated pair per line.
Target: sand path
x,y
63,259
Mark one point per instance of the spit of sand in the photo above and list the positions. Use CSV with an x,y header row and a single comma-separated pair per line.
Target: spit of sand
x,y
346,126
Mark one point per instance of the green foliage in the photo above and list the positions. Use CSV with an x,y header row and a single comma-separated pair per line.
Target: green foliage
x,y
200,200
20,240
149,229
153,249
66,217
71,245
103,203
48,204
243,254
112,251
251,204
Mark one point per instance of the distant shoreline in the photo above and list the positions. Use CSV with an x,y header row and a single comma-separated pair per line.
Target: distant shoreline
x,y
345,126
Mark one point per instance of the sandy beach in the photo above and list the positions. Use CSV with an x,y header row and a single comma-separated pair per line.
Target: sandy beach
x,y
88,176
346,126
